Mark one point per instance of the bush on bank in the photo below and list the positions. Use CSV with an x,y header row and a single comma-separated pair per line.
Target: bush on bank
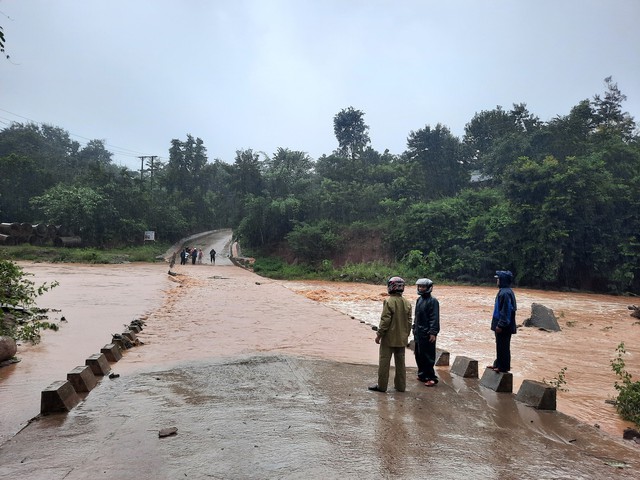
x,y
143,253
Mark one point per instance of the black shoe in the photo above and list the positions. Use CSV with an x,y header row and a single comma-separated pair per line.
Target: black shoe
x,y
375,388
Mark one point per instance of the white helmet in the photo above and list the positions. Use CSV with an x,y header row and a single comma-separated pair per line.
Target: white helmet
x,y
424,282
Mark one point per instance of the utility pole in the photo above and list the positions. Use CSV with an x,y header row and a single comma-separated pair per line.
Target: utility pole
x,y
151,165
142,159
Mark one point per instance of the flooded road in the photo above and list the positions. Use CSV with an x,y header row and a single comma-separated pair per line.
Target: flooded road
x,y
267,379
592,327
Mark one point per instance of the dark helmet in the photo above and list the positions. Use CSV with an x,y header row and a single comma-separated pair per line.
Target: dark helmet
x,y
505,277
424,282
395,285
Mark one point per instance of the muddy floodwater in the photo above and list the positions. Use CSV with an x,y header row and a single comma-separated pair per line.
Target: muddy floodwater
x,y
267,379
97,301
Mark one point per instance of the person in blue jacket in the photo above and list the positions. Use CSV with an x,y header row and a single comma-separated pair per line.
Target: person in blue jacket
x,y
503,321
426,326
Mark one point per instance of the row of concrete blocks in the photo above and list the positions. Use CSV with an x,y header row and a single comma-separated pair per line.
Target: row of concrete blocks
x,y
533,393
63,395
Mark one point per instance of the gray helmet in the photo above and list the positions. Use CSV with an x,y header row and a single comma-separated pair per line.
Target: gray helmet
x,y
424,282
395,285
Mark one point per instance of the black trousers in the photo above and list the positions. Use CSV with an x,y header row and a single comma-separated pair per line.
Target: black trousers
x,y
503,351
425,353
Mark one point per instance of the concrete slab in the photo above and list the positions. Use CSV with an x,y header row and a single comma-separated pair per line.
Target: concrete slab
x,y
442,358
497,381
112,352
98,364
276,416
465,367
537,394
58,397
82,379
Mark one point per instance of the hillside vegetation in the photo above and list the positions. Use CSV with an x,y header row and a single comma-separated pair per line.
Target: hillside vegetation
x,y
554,201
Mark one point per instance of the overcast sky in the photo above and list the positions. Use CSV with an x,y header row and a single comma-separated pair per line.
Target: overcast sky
x,y
264,74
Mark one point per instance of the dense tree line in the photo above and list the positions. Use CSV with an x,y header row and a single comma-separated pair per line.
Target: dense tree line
x,y
557,201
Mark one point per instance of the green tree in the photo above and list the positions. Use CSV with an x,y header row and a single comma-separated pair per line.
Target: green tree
x,y
288,172
82,209
351,132
436,163
313,242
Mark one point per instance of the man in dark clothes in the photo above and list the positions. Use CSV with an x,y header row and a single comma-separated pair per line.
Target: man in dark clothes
x,y
194,255
426,327
503,322
212,255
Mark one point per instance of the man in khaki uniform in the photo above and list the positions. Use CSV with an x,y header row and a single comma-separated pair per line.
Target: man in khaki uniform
x,y
393,335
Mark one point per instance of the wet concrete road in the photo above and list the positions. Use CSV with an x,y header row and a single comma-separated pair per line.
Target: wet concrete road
x,y
264,383
276,416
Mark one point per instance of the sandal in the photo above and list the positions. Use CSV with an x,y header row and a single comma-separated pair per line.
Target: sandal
x,y
430,383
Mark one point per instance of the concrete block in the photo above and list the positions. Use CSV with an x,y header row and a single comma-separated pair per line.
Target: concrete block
x,y
130,335
497,381
465,367
60,396
98,364
112,352
537,394
135,328
442,358
82,379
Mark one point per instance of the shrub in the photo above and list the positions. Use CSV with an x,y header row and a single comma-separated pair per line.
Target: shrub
x,y
17,295
628,400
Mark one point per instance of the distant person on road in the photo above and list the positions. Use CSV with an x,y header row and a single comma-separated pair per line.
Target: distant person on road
x,y
503,321
392,336
194,255
200,255
183,256
426,327
212,255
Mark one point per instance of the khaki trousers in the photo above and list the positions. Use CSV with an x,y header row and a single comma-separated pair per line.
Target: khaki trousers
x,y
384,361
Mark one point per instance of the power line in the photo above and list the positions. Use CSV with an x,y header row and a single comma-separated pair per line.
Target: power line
x,y
125,152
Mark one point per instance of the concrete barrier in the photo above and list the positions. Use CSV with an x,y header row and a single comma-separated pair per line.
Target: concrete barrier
x,y
60,396
497,381
442,358
82,379
130,335
98,364
465,367
135,328
112,352
537,394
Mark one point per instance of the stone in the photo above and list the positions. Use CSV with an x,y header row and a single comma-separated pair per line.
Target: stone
x,y
465,367
58,397
8,348
98,364
542,317
497,381
82,379
537,394
167,432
